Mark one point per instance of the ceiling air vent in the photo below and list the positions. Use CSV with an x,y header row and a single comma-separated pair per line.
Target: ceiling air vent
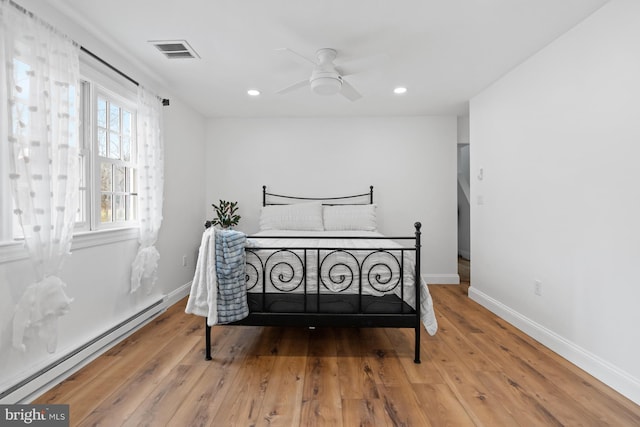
x,y
175,49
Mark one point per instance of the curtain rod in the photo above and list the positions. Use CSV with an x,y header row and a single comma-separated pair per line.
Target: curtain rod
x,y
165,101
103,62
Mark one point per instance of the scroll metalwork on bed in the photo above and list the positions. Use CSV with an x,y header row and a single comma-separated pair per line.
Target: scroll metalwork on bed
x,y
363,271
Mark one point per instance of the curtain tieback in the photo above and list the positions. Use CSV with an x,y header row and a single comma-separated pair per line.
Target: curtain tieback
x,y
144,266
39,307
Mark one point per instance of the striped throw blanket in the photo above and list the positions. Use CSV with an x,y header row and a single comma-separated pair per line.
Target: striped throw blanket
x,y
230,271
218,290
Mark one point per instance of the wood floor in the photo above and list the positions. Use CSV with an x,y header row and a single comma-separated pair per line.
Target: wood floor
x,y
476,371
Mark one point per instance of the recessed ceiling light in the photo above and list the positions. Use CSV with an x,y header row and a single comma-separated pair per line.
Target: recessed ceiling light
x,y
400,90
253,92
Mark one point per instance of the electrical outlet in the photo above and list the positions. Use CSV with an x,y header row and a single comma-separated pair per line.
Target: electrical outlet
x,y
184,260
537,287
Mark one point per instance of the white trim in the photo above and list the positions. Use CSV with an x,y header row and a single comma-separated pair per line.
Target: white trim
x,y
103,237
441,279
177,295
16,250
609,374
13,251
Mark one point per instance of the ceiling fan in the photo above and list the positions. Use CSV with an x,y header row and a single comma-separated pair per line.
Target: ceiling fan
x,y
326,78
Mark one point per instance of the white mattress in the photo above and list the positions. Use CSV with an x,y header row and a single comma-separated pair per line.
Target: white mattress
x,y
340,271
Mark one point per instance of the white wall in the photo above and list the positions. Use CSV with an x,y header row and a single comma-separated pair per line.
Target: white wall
x,y
559,141
184,191
98,277
411,162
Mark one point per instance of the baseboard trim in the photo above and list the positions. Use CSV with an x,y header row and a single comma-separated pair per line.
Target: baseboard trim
x,y
46,378
611,375
177,295
441,279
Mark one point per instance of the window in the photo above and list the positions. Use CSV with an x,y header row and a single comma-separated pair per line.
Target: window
x,y
108,183
116,150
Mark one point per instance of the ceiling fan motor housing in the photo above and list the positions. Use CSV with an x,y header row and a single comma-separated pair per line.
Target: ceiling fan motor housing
x,y
325,79
325,83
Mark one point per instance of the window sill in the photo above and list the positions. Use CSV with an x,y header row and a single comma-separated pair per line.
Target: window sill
x,y
87,239
13,251
16,250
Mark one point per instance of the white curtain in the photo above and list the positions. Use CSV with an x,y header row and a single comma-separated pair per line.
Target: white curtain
x,y
150,187
40,109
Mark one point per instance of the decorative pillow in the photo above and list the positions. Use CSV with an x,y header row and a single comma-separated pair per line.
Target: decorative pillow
x,y
299,216
350,217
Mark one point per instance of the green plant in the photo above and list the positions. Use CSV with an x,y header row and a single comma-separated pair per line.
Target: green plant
x,y
226,214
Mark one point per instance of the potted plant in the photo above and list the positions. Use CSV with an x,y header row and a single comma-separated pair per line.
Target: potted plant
x,y
226,216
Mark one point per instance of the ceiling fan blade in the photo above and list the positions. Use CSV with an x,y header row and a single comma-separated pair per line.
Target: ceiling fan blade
x,y
359,65
294,86
297,57
349,91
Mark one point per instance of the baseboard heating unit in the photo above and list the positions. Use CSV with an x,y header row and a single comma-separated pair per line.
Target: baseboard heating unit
x,y
44,379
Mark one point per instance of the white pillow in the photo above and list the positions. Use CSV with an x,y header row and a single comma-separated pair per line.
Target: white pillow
x,y
350,217
299,216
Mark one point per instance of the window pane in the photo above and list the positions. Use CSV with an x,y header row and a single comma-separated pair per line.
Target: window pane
x,y
119,207
21,79
106,178
126,148
73,131
126,122
118,179
114,118
102,142
105,208
102,113
114,146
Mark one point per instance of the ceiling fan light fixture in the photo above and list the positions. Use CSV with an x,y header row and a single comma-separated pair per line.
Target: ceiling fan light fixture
x,y
326,85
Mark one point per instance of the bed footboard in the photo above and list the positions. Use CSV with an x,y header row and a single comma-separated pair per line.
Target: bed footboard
x,y
321,286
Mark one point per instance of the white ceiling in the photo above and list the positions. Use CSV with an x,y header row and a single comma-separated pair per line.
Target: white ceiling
x,y
443,51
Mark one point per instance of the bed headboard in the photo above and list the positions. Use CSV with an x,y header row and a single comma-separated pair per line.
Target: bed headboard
x,y
356,199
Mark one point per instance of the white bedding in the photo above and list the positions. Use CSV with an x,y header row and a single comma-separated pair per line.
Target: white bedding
x,y
287,273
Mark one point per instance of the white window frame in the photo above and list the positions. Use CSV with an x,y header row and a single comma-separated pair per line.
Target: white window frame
x,y
111,98
101,82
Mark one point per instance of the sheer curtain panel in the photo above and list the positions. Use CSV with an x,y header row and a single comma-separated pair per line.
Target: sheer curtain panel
x,y
150,188
40,89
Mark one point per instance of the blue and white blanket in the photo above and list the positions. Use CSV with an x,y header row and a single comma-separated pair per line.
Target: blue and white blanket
x,y
218,290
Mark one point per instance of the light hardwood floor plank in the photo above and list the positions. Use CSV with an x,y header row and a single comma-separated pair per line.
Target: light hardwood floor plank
x,y
441,406
365,413
163,402
282,404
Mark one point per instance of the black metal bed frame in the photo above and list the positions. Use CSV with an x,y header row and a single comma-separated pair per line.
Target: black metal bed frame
x,y
311,305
